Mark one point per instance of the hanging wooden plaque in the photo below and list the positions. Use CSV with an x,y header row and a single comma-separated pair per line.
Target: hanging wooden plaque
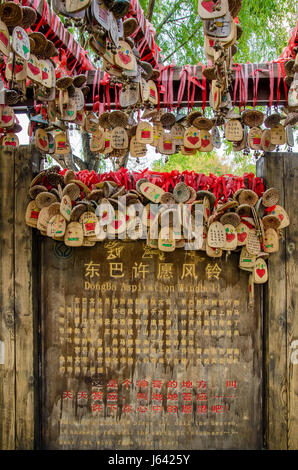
x,y
186,151
20,69
66,207
177,134
124,56
107,147
97,142
213,252
153,93
4,39
101,14
192,138
293,96
247,260
73,6
280,212
260,271
216,235
129,96
151,192
266,141
219,27
206,141
43,219
32,213
290,136
231,237
207,9
113,29
119,138
166,239
56,226
80,118
137,149
271,241
74,234
88,220
41,140
51,111
21,43
118,224
10,140
157,134
216,138
34,69
70,111
91,123
62,146
278,135
254,138
6,116
253,243
144,133
166,146
215,97
242,233
79,99
234,130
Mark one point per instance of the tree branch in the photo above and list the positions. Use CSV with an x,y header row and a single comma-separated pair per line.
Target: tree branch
x,y
167,17
82,165
179,19
150,9
183,43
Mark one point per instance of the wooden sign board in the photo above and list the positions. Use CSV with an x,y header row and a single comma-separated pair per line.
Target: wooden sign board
x,y
132,331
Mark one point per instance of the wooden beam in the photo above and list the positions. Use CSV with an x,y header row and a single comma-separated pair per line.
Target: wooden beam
x,y
263,94
263,90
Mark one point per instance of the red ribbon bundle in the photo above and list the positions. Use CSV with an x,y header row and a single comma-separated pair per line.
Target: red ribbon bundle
x,y
222,186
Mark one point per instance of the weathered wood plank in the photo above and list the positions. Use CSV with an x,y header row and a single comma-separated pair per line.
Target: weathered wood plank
x,y
102,324
291,197
26,334
275,321
7,296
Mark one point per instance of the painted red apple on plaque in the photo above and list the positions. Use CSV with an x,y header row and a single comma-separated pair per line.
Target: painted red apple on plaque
x,y
124,57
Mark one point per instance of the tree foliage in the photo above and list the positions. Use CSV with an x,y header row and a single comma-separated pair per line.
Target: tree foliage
x,y
207,162
266,25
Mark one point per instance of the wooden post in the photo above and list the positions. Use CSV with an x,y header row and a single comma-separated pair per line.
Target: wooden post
x,y
281,327
17,332
7,295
